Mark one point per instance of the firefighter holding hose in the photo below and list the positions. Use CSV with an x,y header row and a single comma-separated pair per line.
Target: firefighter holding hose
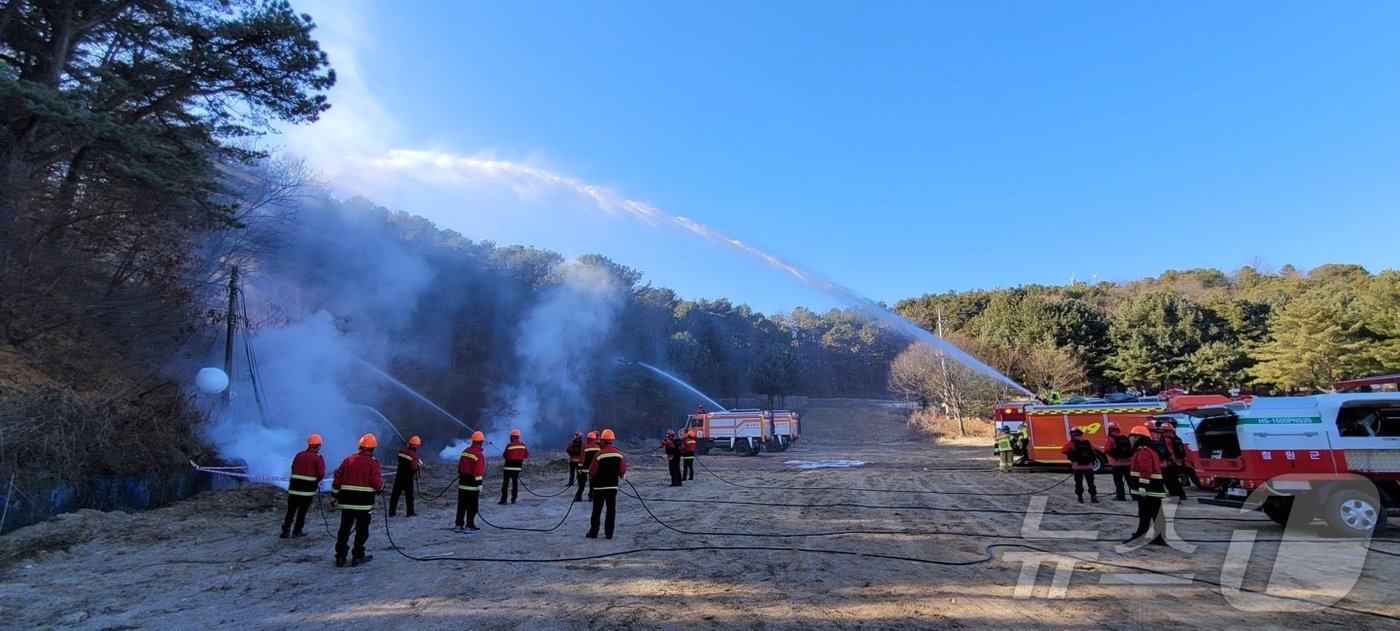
x,y
471,469
404,479
514,456
1003,448
605,474
357,481
575,452
688,455
590,451
308,469
673,456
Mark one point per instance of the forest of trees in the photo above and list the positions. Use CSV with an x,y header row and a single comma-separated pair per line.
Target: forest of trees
x,y
1255,329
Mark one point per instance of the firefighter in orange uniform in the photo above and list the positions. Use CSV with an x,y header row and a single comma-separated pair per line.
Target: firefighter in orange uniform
x,y
1160,444
356,482
605,474
308,469
471,470
575,452
590,451
688,455
1176,450
1120,453
407,474
1148,487
514,456
673,456
1082,458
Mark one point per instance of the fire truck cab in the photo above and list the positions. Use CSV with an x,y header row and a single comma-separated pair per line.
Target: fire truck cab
x,y
742,431
1334,457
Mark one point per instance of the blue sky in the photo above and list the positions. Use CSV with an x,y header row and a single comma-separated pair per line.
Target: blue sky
x,y
896,148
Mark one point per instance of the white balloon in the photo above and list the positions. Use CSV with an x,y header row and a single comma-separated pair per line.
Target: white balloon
x,y
211,380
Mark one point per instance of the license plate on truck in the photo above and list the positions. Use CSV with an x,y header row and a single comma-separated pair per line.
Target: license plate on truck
x,y
1236,492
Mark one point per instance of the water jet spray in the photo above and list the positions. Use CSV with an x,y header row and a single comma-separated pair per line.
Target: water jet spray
x,y
409,390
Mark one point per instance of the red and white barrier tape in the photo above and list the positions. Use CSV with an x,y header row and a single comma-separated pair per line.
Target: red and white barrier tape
x,y
233,472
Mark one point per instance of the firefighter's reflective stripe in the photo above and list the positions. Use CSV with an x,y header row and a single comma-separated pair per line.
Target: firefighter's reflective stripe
x,y
475,486
601,458
1152,486
355,498
512,463
403,456
301,485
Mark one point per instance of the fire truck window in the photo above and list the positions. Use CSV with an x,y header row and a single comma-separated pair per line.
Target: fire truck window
x,y
1367,420
1388,422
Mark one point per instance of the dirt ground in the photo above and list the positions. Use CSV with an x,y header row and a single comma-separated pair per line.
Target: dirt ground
x,y
215,561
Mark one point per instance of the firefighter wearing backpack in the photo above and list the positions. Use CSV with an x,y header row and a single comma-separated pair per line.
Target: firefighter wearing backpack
x,y
514,456
1082,458
688,455
1148,487
673,456
1003,448
575,452
605,475
1120,454
1160,444
1176,450
1021,444
590,451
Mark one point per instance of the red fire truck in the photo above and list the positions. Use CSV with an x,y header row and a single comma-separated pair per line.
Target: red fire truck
x,y
1334,457
1048,425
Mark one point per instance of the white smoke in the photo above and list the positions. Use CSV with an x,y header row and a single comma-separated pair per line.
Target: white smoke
x,y
558,346
454,451
301,369
336,291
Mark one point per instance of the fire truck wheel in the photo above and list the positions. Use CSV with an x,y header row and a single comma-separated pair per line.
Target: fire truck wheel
x,y
1277,509
704,449
1101,464
1353,513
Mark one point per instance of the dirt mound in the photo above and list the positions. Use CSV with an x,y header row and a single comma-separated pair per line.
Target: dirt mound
x,y
61,532
83,526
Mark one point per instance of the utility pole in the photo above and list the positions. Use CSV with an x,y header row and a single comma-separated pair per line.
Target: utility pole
x,y
232,320
951,400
